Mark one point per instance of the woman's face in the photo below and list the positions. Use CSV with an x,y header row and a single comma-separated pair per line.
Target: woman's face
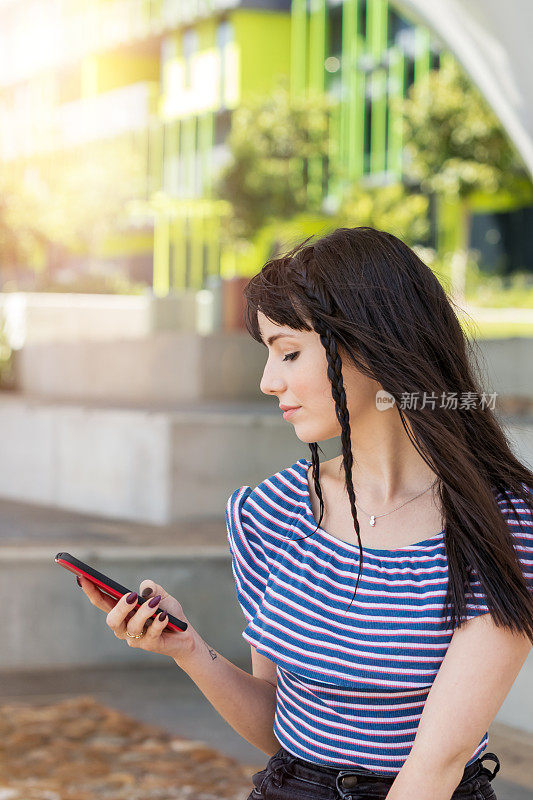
x,y
296,374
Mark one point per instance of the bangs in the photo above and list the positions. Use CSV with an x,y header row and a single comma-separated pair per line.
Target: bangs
x,y
273,292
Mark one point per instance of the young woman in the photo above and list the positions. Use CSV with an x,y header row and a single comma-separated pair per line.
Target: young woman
x,y
389,591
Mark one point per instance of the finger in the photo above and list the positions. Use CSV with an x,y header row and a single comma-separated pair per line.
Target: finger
x,y
153,627
149,588
161,621
145,612
116,618
97,598
142,618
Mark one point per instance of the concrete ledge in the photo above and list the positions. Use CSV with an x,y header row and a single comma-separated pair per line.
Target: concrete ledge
x,y
146,466
39,317
173,366
168,366
153,467
70,631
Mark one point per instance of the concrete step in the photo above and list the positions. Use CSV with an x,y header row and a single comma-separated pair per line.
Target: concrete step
x,y
153,465
146,465
53,625
175,366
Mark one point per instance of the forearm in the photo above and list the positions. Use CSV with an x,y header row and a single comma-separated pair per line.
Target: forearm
x,y
426,781
247,703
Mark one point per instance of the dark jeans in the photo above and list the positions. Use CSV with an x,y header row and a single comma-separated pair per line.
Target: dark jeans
x,y
286,777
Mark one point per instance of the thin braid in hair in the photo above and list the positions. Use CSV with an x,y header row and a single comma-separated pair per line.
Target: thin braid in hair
x,y
325,306
341,409
315,461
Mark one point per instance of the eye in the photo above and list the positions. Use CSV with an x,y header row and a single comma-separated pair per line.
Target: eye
x,y
290,357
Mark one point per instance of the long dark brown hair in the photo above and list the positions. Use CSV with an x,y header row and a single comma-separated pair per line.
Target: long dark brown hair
x,y
372,300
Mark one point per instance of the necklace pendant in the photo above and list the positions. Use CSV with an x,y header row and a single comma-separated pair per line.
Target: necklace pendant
x,y
372,520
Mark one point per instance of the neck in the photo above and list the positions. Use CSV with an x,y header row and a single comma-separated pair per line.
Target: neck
x,y
387,469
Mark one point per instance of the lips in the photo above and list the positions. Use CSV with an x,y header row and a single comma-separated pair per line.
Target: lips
x,y
288,408
290,411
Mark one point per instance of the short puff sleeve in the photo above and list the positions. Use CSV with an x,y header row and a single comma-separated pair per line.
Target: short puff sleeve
x,y
519,518
248,561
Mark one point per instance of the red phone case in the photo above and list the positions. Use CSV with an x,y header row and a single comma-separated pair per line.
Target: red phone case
x,y
110,587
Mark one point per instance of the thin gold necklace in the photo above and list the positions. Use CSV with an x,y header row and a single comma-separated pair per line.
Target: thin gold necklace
x,y
373,517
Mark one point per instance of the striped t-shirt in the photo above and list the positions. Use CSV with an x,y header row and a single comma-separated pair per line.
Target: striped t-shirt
x,y
352,680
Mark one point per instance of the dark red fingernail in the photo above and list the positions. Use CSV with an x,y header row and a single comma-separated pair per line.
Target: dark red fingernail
x,y
131,598
162,616
154,601
147,592
79,582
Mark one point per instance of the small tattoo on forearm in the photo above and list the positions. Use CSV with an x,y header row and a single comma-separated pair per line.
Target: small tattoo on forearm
x,y
212,653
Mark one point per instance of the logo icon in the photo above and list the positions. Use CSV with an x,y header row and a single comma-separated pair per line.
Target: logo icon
x,y
384,400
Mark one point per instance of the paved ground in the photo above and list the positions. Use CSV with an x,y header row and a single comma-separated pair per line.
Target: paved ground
x,y
167,697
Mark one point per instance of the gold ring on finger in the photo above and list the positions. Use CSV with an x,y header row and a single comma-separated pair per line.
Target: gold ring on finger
x,y
135,635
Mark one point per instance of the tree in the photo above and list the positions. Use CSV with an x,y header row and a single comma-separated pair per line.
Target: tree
x,y
22,239
455,147
67,203
276,143
390,208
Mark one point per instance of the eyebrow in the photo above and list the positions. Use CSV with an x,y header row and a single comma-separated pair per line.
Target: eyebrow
x,y
273,338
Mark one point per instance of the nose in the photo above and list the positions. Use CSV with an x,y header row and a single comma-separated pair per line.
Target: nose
x,y
271,382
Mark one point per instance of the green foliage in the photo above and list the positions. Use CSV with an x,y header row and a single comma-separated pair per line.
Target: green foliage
x,y
454,143
513,291
390,208
70,202
22,237
273,141
92,283
6,358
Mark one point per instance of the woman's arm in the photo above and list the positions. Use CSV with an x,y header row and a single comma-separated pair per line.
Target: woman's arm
x,y
476,674
247,703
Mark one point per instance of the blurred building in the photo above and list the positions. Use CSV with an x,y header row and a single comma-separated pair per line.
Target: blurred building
x,y
361,53
216,55
166,75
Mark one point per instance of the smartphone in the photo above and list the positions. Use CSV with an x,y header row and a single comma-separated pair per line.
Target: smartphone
x,y
111,587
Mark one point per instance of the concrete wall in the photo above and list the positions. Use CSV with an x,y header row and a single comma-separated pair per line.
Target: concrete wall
x,y
163,368
143,466
169,367
75,632
148,466
38,317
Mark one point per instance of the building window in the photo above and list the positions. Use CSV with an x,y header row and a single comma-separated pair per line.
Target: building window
x,y
168,54
361,22
224,33
434,60
409,73
396,24
224,37
190,47
334,23
368,134
222,126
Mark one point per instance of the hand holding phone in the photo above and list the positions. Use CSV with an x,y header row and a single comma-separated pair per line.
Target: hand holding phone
x,y
172,636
